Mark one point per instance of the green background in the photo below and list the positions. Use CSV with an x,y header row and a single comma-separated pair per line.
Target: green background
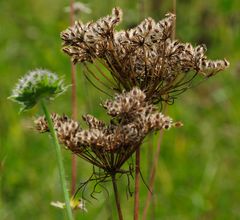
x,y
198,171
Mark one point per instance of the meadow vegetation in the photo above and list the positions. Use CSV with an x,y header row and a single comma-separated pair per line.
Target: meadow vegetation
x,y
198,169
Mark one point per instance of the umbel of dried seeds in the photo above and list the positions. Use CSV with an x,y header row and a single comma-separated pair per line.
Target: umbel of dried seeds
x,y
144,56
108,146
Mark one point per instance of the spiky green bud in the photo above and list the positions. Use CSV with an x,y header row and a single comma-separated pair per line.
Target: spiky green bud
x,y
35,85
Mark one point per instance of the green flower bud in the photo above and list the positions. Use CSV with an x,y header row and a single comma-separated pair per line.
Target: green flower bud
x,y
35,85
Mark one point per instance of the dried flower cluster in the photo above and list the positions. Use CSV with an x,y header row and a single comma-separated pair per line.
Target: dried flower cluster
x,y
35,85
109,146
144,56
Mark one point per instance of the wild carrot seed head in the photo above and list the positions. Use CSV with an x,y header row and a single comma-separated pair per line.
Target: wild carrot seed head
x,y
144,56
130,122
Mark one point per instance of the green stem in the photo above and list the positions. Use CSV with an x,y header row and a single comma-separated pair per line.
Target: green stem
x,y
59,160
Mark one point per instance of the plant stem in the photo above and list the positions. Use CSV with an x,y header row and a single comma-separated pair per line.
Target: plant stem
x,y
152,176
174,8
74,106
120,216
74,174
59,160
137,184
153,170
137,154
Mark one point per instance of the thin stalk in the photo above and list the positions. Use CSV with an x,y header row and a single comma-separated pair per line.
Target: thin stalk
x,y
137,154
92,73
150,153
74,173
152,176
155,162
174,8
59,161
117,200
74,107
74,117
137,184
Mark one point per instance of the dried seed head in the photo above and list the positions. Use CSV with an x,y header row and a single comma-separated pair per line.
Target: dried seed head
x,y
133,118
144,56
41,124
93,122
125,103
65,128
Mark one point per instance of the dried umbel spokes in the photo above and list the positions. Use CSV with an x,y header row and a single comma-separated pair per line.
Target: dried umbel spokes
x,y
144,56
109,146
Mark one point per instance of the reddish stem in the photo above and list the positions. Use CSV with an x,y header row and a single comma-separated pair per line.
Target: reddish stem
x,y
137,157
174,3
137,184
152,176
74,117
74,106
153,170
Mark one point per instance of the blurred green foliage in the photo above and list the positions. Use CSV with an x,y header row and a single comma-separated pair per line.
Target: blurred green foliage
x,y
198,171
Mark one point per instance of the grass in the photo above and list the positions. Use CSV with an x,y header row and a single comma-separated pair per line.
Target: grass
x,y
198,171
